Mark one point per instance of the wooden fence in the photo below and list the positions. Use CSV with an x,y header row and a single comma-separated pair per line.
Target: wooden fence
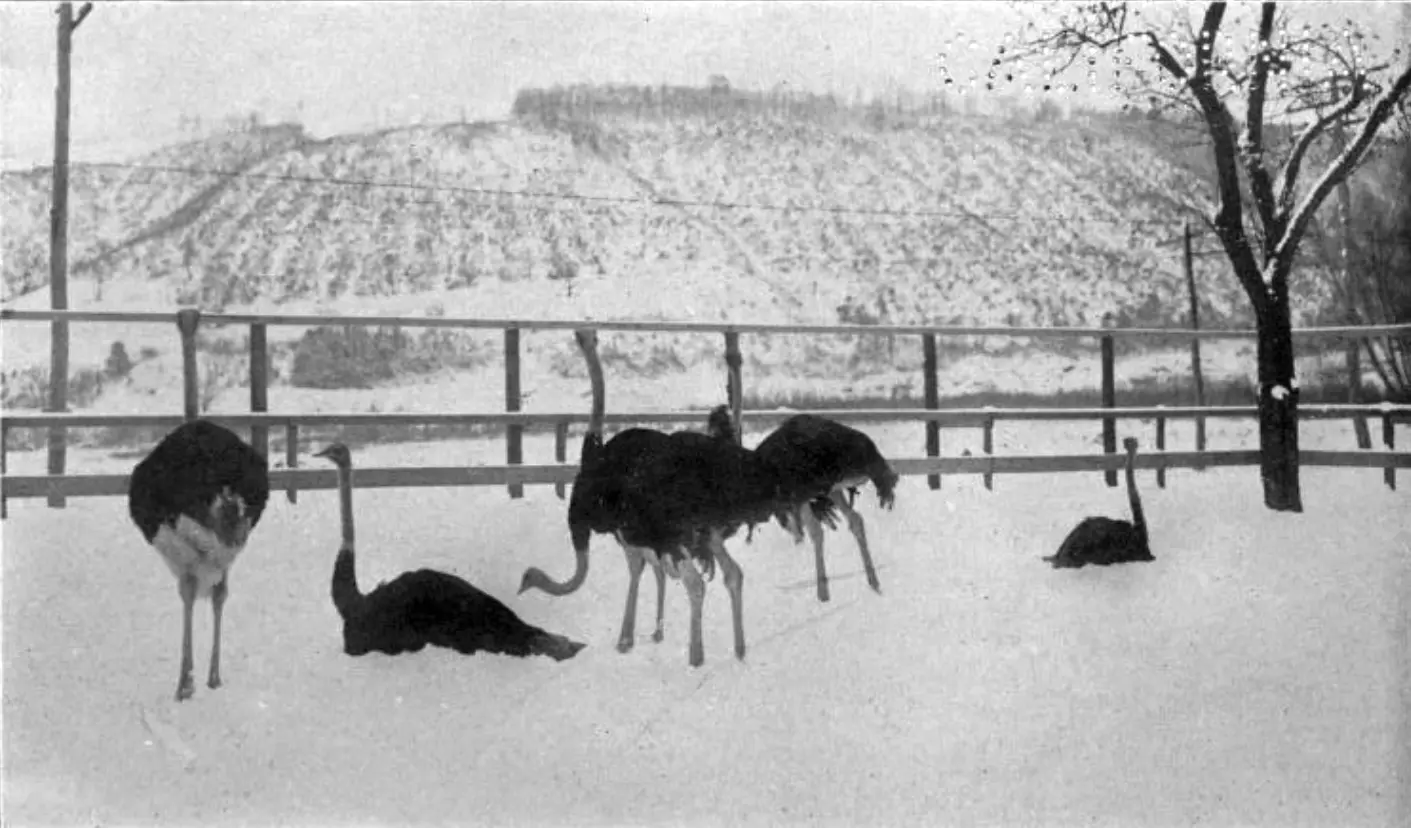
x,y
57,486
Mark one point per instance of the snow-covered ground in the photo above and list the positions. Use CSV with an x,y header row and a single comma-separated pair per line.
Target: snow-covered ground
x,y
1255,674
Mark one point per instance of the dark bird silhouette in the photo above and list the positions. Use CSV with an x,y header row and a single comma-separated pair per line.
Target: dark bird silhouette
x,y
676,505
596,503
1104,541
826,462
195,498
424,607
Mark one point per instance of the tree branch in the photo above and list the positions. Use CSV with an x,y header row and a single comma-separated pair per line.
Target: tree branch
x,y
1253,143
1341,166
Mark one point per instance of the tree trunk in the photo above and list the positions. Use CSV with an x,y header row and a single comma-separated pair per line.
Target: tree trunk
x,y
1278,408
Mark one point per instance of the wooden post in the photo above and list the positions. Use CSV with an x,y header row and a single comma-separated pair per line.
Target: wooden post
x,y
259,385
187,320
932,401
1389,440
514,449
735,384
560,452
1161,446
59,248
1109,400
988,445
291,459
4,446
1196,372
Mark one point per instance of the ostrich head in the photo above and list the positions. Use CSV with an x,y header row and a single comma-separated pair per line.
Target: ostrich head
x,y
719,425
338,454
1130,444
228,518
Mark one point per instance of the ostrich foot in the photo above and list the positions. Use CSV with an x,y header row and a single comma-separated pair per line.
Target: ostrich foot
x,y
624,644
214,681
657,636
823,591
185,688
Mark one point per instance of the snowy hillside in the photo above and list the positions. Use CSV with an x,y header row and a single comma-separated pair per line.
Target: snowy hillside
x,y
1253,675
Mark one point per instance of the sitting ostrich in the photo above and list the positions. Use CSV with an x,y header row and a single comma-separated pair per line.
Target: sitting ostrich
x,y
826,461
1103,541
195,498
424,607
595,505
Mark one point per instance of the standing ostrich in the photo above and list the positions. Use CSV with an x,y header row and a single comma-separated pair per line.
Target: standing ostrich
x,y
675,505
195,499
1103,541
826,461
596,505
424,607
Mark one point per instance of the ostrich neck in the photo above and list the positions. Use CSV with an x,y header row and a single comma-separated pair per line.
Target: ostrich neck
x,y
595,376
345,503
1137,518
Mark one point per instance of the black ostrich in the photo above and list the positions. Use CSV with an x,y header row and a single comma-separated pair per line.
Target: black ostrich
x,y
827,461
195,498
596,504
1103,541
676,504
424,607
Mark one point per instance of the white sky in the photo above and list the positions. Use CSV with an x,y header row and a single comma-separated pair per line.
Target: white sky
x,y
138,66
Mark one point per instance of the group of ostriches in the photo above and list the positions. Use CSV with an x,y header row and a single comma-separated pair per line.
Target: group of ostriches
x,y
670,499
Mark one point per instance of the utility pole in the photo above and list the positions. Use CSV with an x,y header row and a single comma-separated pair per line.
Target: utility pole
x,y
59,243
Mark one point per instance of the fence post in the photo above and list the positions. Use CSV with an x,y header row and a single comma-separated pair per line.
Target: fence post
x,y
932,401
514,448
1161,446
187,320
4,446
259,385
1195,345
988,445
735,385
291,459
560,451
1109,400
1389,440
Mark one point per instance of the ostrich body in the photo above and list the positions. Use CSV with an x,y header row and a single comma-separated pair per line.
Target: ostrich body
x,y
1103,541
596,504
424,607
826,462
195,498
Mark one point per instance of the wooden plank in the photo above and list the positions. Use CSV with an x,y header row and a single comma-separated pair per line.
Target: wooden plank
x,y
187,321
930,378
735,382
947,418
291,459
315,320
1161,446
259,386
1109,402
560,452
514,435
1389,440
29,486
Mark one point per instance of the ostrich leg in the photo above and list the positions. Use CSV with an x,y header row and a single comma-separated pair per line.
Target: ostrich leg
x,y
636,561
218,594
185,686
695,591
734,579
815,534
860,532
657,635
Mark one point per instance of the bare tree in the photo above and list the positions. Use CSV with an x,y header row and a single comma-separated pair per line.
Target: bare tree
x,y
1194,61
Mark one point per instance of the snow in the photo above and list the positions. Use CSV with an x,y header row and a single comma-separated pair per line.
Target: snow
x,y
1248,676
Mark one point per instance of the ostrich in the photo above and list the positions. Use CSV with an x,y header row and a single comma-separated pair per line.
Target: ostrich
x,y
425,606
195,498
674,506
595,505
827,461
1103,541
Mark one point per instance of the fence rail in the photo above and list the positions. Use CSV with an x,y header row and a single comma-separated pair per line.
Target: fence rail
x,y
56,486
